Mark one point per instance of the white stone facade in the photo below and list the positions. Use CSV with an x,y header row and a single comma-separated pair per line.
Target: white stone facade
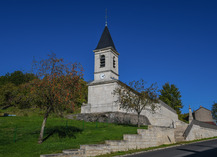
x,y
101,99
110,71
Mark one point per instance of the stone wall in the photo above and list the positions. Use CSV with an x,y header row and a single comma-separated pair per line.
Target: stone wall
x,y
163,115
154,136
198,130
111,117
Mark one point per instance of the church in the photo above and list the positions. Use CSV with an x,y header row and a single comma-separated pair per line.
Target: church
x,y
106,80
163,128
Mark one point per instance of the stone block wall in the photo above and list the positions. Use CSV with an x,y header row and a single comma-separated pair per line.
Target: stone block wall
x,y
111,117
163,116
198,130
100,97
154,136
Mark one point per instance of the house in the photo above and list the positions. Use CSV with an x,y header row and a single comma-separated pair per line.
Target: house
x,y
202,114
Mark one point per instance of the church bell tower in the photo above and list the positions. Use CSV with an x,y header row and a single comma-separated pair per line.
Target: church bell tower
x,y
106,58
106,75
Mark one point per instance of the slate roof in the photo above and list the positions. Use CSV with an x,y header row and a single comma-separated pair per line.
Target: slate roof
x,y
105,40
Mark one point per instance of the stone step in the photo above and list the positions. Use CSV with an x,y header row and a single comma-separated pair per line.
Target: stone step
x,y
74,151
179,139
56,155
180,129
116,142
133,137
179,134
94,146
142,131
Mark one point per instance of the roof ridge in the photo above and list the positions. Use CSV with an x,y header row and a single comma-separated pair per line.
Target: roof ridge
x,y
200,108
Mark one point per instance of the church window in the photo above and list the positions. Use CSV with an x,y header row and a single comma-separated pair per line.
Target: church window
x,y
114,62
102,61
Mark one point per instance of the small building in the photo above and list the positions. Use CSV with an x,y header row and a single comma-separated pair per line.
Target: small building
x,y
202,114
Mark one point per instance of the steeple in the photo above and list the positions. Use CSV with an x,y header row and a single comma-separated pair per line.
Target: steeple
x,y
106,58
105,40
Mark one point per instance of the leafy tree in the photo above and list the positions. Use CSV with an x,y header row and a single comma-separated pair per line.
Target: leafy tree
x,y
8,94
4,79
170,94
58,88
13,91
214,110
84,91
17,78
24,98
136,97
184,117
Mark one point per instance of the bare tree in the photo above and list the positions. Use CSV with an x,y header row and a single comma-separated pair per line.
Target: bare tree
x,y
136,97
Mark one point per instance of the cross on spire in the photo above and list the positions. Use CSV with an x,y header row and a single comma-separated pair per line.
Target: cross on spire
x,y
106,23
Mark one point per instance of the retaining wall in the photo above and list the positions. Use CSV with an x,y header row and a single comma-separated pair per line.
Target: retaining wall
x,y
198,130
154,136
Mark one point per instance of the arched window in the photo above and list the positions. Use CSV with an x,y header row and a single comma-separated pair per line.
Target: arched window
x,y
114,62
102,61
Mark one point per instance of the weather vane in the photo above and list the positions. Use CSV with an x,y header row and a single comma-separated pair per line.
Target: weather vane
x,y
106,23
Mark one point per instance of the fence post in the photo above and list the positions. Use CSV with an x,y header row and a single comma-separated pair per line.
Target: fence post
x,y
83,125
96,124
66,124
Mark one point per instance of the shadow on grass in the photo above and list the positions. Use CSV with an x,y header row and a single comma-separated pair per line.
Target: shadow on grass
x,y
133,125
63,132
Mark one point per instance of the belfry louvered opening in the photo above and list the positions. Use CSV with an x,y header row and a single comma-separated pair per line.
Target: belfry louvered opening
x,y
114,62
102,61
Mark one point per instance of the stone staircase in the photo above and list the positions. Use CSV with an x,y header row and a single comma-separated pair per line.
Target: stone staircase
x,y
179,133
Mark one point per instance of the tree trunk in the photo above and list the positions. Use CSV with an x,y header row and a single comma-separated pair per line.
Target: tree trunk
x,y
138,124
40,139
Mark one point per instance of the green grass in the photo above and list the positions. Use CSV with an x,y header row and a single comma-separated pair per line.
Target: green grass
x,y
19,135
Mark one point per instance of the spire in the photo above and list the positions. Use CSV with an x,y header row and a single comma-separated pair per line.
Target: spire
x,y
105,40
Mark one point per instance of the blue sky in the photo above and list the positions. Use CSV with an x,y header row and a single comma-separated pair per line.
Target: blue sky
x,y
159,41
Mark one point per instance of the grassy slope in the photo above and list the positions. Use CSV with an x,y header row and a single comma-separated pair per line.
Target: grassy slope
x,y
68,134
